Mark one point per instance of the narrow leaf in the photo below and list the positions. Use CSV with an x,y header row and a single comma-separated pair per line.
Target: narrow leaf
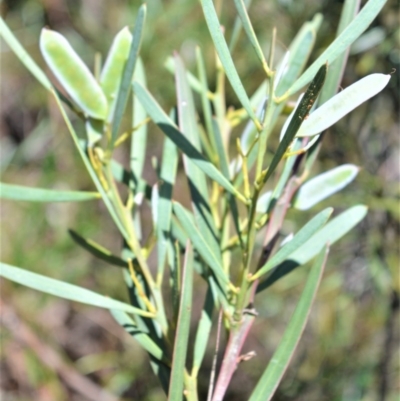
x,y
25,58
141,337
169,128
349,11
125,84
97,250
182,329
248,28
299,116
73,74
167,180
332,232
196,178
64,290
139,137
343,103
296,242
279,362
199,243
342,42
203,332
324,185
225,57
22,193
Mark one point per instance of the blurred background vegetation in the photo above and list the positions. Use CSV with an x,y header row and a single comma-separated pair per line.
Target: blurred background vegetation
x,y
55,350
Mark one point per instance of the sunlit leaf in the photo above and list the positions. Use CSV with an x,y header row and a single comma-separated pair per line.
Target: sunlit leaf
x,y
182,329
22,193
296,242
324,185
64,290
280,360
343,103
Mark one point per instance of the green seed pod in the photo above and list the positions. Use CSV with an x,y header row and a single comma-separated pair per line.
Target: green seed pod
x,y
111,74
73,74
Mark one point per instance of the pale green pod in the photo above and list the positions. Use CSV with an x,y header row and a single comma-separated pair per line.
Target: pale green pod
x,y
73,74
111,74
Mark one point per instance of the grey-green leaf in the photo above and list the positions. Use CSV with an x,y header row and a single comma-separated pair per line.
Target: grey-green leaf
x,y
329,234
279,362
73,74
225,57
299,116
22,193
343,103
342,42
64,290
296,242
158,115
25,58
141,337
182,329
324,185
199,243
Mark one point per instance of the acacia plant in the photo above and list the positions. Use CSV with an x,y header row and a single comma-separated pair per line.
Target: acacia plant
x,y
231,236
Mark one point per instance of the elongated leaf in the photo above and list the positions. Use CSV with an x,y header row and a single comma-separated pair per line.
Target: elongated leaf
x,y
97,250
125,84
299,53
196,178
205,101
342,42
182,329
64,290
349,11
169,128
248,28
168,173
203,332
343,103
332,232
324,185
237,27
22,193
199,243
279,362
111,73
73,74
23,55
194,83
139,137
225,57
299,116
141,337
296,242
